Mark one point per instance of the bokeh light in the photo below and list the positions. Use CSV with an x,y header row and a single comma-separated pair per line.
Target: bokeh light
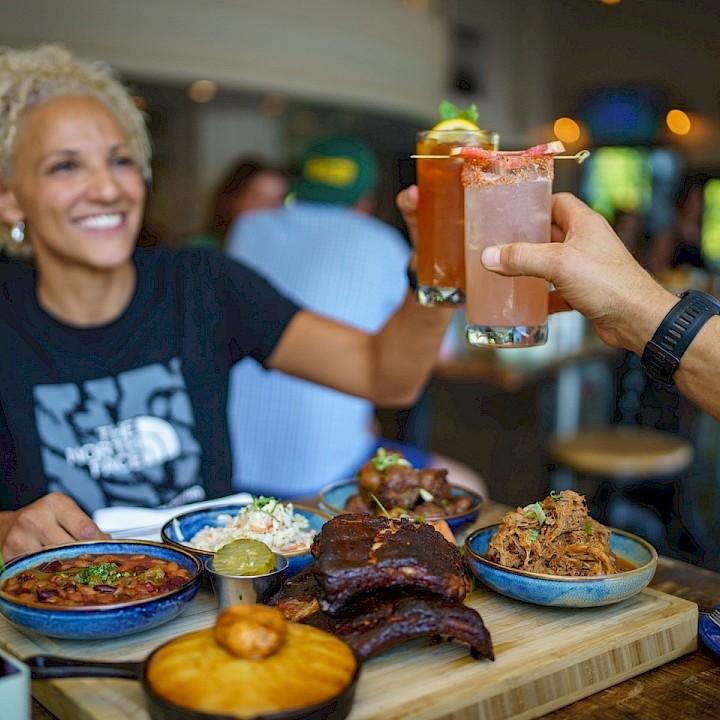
x,y
678,122
202,91
566,130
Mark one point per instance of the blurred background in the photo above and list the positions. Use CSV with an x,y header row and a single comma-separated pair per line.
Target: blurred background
x,y
634,81
219,78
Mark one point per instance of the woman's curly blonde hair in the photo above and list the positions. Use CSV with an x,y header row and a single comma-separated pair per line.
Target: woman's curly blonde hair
x,y
29,78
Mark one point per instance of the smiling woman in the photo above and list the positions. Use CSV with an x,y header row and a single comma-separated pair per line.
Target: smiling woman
x,y
77,178
115,348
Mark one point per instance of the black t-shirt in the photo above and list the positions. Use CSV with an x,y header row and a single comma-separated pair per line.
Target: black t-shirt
x,y
133,412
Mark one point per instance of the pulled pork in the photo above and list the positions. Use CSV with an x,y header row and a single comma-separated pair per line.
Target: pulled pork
x,y
554,537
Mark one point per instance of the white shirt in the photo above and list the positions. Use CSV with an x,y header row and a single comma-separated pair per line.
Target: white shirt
x,y
290,437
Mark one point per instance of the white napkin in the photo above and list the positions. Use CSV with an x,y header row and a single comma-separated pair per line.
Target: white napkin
x,y
145,523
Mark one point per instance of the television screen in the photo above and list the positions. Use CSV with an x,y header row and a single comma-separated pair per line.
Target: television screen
x,y
632,179
711,221
622,115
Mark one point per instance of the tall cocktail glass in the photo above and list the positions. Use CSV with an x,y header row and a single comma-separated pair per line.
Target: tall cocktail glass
x,y
441,244
507,199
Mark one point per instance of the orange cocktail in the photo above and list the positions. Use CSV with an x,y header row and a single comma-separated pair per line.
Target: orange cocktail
x,y
441,230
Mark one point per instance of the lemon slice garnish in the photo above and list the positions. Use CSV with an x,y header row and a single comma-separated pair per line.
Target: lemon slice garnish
x,y
456,124
457,131
244,557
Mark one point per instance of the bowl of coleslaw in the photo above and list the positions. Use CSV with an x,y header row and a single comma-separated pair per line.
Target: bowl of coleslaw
x,y
286,528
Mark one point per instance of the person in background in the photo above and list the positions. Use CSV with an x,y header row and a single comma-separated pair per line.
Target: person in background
x,y
251,183
328,253
630,227
677,249
594,273
116,358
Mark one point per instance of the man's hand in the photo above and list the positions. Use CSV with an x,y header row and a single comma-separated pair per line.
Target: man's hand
x,y
52,520
592,271
407,203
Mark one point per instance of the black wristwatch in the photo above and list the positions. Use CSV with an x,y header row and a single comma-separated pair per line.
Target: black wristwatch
x,y
662,354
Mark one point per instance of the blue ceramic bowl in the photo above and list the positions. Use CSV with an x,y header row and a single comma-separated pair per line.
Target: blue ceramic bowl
x,y
178,531
104,621
334,497
569,592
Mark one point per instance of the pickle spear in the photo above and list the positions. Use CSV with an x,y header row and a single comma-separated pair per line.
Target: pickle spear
x,y
244,557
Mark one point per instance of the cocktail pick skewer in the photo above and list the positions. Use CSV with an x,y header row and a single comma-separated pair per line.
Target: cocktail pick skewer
x,y
431,157
579,156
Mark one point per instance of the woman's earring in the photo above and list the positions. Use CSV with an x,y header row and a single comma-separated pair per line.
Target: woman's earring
x,y
17,232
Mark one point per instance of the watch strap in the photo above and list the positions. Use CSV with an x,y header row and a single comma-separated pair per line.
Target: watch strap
x,y
661,356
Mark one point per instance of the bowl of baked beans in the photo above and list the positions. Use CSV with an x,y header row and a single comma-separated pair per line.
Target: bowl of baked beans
x,y
98,589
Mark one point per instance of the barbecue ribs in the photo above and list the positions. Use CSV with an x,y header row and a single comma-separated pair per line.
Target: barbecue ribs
x,y
385,618
356,553
378,581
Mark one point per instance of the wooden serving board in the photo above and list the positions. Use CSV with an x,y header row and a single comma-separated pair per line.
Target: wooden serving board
x,y
546,658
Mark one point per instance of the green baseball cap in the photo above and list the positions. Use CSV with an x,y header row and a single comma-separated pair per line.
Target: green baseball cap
x,y
337,170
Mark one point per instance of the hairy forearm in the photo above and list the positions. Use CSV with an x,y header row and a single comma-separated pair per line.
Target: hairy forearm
x,y
640,314
697,375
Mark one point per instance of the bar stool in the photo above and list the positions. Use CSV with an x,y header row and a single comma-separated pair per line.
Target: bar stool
x,y
607,463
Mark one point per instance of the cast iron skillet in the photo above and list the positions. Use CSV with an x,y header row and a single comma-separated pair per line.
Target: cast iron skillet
x,y
50,667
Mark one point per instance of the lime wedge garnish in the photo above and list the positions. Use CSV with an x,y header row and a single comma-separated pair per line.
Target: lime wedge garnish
x,y
244,557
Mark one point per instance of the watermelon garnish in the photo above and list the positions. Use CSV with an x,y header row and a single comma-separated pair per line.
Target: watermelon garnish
x,y
551,148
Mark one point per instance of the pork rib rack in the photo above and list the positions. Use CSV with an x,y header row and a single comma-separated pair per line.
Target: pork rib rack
x,y
385,618
357,553
378,581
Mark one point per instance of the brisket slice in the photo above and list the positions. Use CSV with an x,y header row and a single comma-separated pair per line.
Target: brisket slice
x,y
357,553
386,618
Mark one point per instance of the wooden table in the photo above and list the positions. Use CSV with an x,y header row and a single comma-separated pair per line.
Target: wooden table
x,y
688,687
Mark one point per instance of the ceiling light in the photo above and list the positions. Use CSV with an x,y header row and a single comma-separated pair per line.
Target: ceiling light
x,y
202,91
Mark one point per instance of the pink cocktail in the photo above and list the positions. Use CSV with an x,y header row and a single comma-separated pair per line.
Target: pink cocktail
x,y
507,200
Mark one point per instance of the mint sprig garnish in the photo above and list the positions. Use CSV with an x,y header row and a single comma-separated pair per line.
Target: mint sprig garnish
x,y
450,111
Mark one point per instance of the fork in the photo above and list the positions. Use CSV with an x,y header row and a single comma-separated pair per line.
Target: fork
x,y
715,616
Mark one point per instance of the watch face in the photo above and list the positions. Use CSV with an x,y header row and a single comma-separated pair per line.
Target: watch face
x,y
658,363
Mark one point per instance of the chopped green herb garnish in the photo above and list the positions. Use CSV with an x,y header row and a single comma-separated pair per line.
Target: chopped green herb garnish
x,y
556,496
535,510
384,459
533,535
588,528
380,505
426,495
103,574
260,502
